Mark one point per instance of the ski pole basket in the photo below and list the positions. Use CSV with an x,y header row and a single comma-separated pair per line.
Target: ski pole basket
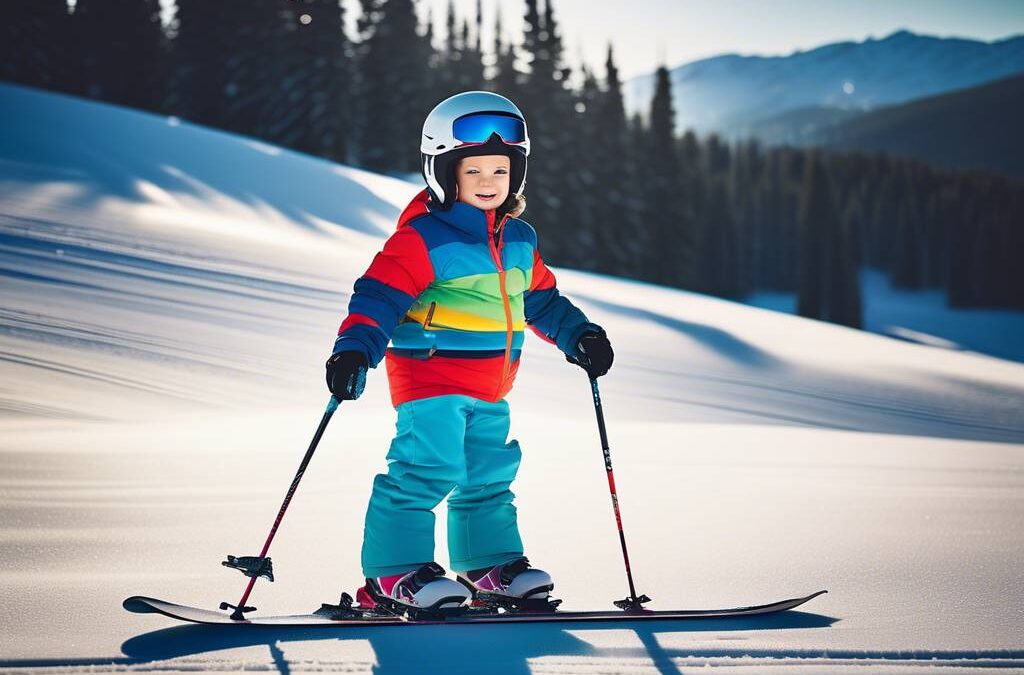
x,y
251,566
632,604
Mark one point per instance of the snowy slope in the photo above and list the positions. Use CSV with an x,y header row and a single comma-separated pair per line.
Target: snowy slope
x,y
169,296
923,316
729,93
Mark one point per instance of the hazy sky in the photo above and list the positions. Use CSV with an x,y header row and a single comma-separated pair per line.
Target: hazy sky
x,y
642,31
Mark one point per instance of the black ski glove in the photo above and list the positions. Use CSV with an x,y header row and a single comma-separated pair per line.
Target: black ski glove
x,y
593,354
346,374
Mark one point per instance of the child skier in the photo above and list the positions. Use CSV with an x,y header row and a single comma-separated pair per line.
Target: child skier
x,y
453,290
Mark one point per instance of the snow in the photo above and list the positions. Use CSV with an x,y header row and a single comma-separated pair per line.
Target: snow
x,y
923,316
169,295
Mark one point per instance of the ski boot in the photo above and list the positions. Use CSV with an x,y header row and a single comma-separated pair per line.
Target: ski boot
x,y
421,593
511,587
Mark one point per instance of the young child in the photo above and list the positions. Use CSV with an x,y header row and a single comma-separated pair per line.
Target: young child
x,y
453,290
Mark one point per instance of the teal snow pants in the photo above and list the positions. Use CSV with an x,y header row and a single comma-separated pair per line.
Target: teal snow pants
x,y
445,444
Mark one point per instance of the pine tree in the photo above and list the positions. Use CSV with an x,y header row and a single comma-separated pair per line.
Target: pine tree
x,y
671,234
612,220
429,38
471,66
767,252
395,94
986,263
447,68
829,281
531,35
720,250
792,170
844,274
34,38
817,208
582,177
690,198
1015,244
708,258
961,273
505,78
744,177
637,242
905,269
549,108
203,51
883,222
476,66
451,33
258,32
121,48
309,109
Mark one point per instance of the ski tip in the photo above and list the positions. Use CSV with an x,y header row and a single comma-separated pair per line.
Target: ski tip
x,y
138,604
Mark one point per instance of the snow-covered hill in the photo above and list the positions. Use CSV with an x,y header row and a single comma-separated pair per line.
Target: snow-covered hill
x,y
731,93
169,294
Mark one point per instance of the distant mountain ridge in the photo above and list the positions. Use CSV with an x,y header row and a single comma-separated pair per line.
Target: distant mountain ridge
x,y
979,127
732,94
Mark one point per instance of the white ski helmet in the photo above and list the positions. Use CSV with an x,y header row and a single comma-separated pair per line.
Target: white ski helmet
x,y
468,124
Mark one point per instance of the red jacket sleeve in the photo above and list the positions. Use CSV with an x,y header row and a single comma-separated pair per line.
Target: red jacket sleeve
x,y
384,293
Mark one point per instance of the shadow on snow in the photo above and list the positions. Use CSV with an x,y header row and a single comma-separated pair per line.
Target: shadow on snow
x,y
447,650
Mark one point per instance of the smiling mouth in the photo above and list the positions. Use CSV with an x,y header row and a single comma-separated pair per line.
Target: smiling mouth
x,y
495,194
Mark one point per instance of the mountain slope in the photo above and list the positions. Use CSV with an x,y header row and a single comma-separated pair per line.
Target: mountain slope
x,y
162,337
795,126
729,93
107,205
978,127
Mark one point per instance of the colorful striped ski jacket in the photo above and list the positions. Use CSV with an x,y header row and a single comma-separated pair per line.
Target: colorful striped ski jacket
x,y
453,292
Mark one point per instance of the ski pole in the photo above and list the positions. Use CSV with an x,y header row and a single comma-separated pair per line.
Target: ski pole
x,y
260,566
632,603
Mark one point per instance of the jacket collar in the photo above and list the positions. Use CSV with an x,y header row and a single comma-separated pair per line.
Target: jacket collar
x,y
476,222
467,218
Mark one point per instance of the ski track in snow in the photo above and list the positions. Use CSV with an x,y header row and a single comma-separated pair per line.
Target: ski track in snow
x,y
162,335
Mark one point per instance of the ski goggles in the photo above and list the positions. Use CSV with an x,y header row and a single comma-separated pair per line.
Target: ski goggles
x,y
478,127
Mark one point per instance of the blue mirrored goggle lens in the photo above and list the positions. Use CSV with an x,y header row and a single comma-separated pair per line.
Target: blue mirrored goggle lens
x,y
478,128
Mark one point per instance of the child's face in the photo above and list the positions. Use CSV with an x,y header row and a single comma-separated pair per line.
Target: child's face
x,y
483,181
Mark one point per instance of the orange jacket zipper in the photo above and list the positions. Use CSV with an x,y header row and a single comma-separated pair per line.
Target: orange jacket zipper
x,y
504,297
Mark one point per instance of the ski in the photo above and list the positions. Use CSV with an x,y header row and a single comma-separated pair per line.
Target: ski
x,y
339,615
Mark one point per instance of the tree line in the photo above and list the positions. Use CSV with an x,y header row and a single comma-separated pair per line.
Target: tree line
x,y
622,194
